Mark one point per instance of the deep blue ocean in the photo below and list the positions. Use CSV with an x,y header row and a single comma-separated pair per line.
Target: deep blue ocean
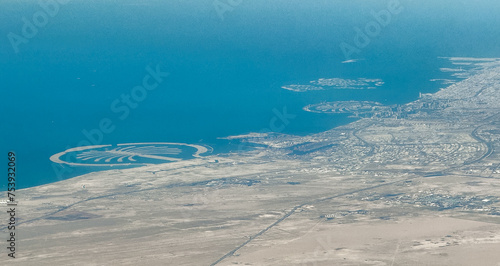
x,y
225,69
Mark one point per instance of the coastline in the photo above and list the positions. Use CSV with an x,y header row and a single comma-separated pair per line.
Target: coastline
x,y
378,175
475,65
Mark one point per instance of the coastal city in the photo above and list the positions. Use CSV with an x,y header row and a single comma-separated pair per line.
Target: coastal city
x,y
420,182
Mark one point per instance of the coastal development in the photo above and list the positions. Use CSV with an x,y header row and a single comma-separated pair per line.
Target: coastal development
x,y
416,184
336,84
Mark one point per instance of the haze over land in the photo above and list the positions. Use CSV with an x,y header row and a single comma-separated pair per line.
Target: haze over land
x,y
413,185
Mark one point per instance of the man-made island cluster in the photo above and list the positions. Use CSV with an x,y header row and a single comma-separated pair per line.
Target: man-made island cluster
x,y
336,83
416,187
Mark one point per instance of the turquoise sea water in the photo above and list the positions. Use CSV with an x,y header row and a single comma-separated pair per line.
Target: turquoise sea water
x,y
225,75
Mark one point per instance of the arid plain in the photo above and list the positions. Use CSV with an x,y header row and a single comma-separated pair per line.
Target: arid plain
x,y
417,185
